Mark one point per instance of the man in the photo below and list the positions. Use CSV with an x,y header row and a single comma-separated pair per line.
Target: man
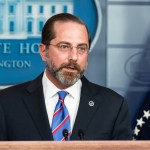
x,y
92,112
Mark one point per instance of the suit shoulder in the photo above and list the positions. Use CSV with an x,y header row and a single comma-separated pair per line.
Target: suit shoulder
x,y
22,87
13,90
98,90
106,90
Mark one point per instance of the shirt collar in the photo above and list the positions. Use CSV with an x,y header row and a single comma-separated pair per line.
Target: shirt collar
x,y
48,87
75,89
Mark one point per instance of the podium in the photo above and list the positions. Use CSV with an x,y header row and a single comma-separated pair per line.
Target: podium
x,y
75,145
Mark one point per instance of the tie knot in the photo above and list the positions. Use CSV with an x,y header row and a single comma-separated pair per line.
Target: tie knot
x,y
62,95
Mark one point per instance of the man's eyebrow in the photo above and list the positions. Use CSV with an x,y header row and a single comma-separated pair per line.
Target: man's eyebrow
x,y
82,44
64,42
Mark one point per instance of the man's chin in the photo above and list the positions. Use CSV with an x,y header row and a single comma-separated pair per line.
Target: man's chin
x,y
68,80
71,78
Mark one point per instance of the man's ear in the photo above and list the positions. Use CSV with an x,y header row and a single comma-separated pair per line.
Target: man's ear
x,y
42,50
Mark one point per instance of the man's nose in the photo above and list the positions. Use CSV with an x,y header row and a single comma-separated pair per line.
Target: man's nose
x,y
73,55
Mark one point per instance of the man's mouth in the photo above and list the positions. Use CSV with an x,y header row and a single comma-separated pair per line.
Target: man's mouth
x,y
70,69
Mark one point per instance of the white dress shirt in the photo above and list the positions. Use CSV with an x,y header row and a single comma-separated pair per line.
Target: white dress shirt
x,y
51,98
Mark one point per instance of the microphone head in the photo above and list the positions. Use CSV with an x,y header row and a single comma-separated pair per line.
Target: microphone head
x,y
65,132
80,133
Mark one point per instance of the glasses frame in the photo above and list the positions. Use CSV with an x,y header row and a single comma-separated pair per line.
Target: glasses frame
x,y
58,46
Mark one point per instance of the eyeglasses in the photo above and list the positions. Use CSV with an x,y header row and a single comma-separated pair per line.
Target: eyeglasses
x,y
67,47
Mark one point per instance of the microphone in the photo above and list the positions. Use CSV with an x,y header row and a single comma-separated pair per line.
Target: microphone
x,y
81,134
65,134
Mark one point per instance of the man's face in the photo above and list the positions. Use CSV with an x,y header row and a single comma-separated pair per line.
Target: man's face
x,y
65,64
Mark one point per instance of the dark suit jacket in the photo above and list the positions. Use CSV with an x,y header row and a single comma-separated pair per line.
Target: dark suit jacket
x,y
23,113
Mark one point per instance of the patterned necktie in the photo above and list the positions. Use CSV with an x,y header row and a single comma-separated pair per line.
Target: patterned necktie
x,y
61,119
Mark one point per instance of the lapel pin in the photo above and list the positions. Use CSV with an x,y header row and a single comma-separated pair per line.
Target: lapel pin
x,y
91,103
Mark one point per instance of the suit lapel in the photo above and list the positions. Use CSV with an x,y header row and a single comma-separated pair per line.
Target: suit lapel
x,y
86,110
34,102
